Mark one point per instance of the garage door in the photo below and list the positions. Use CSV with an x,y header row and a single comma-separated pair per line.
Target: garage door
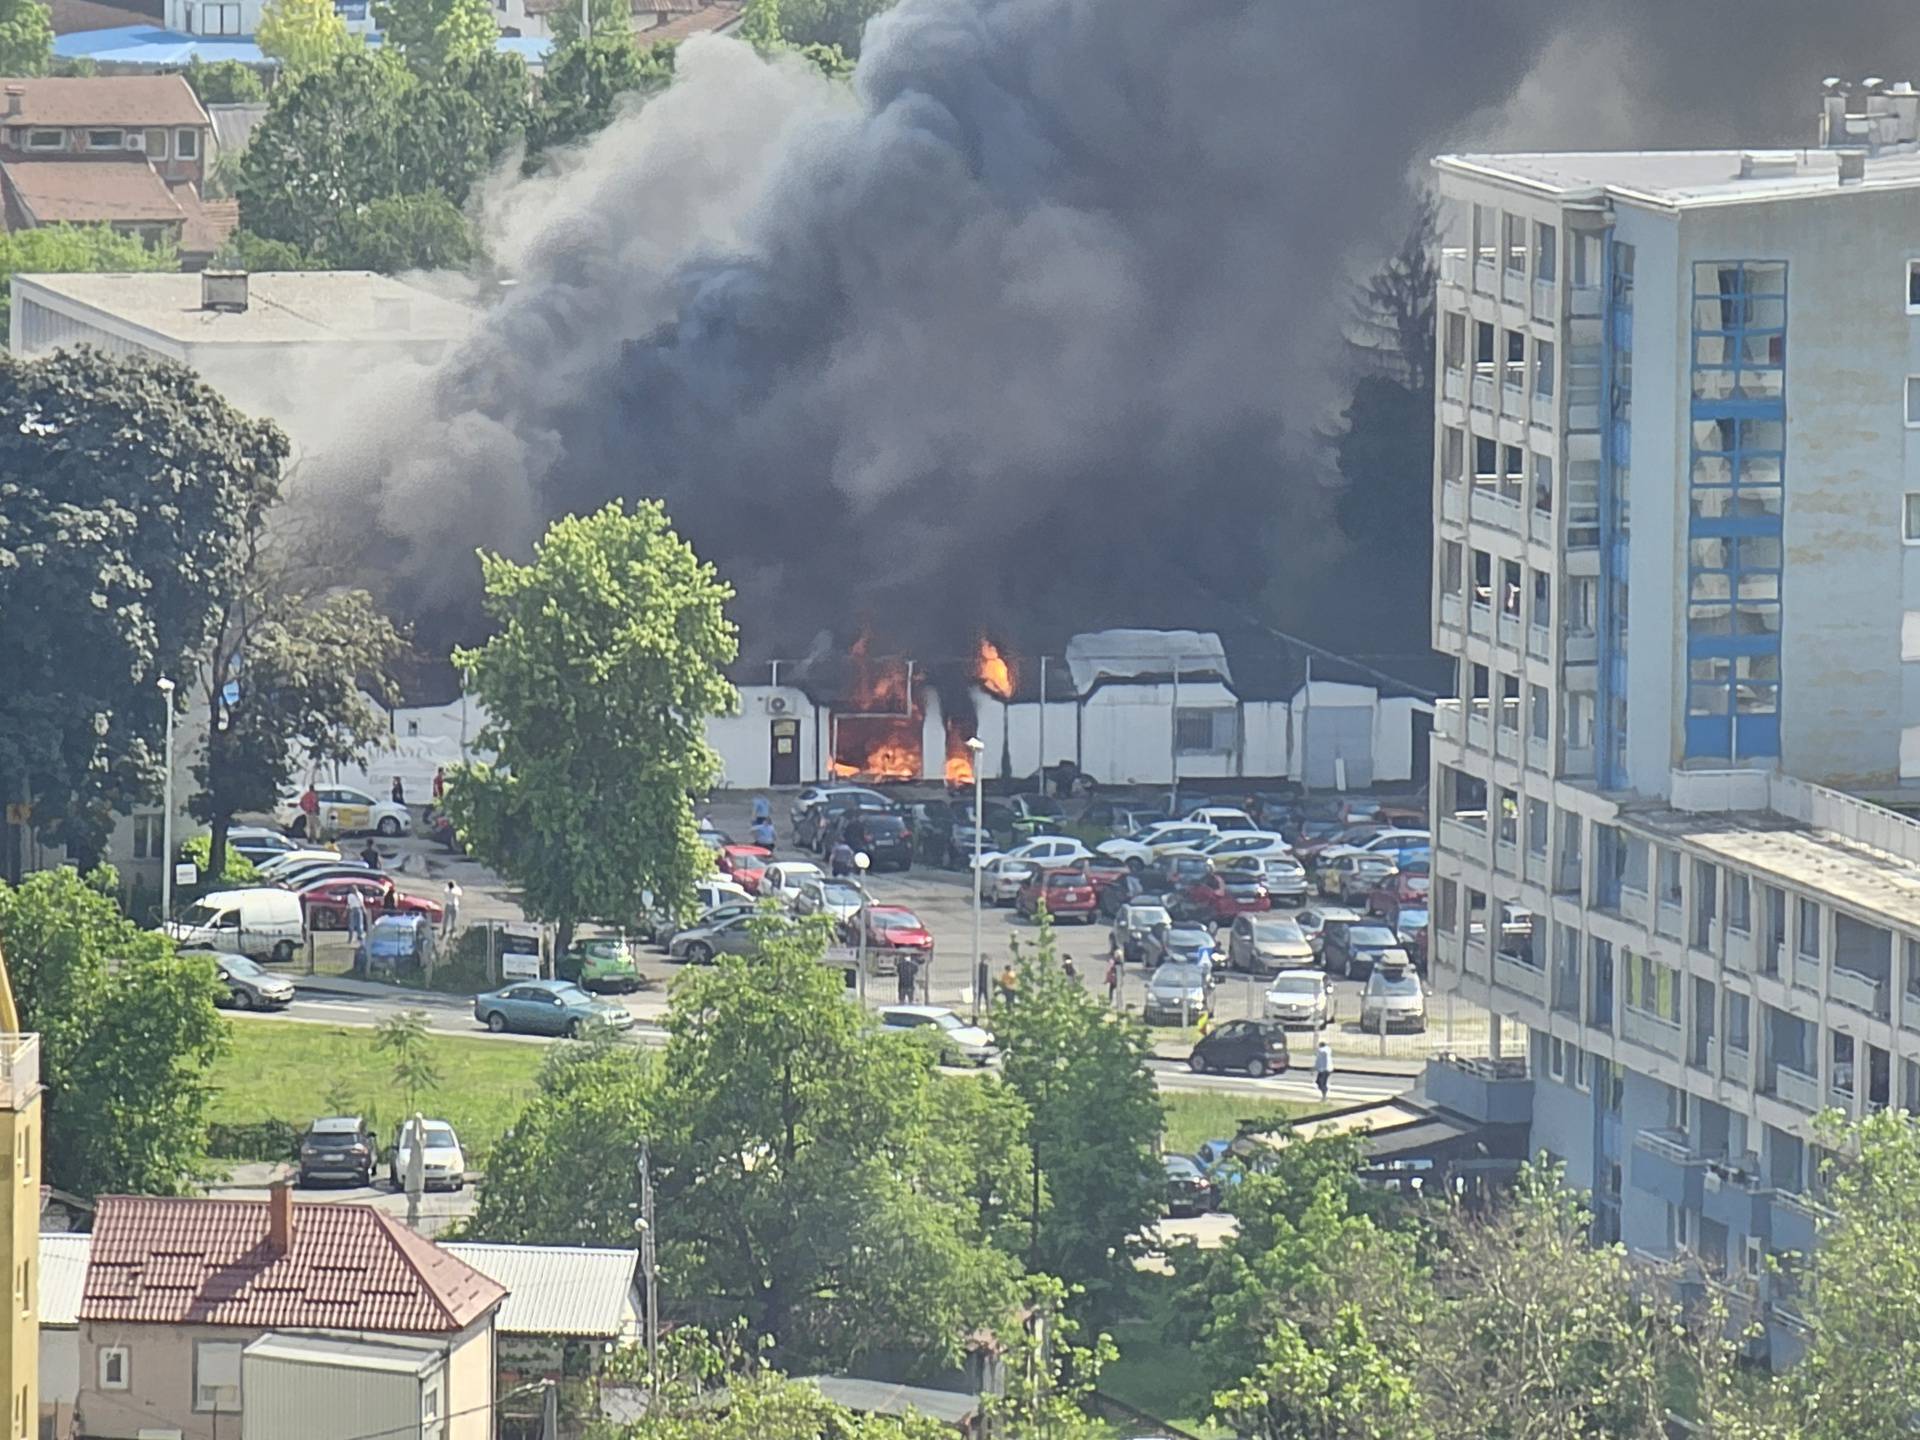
x,y
1342,732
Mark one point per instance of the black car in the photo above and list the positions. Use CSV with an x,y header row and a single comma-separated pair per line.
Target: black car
x,y
933,822
1352,946
340,1147
1189,1191
886,840
1251,1047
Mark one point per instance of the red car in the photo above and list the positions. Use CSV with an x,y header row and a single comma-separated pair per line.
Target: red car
x,y
1068,892
1403,887
1219,901
745,864
890,928
325,902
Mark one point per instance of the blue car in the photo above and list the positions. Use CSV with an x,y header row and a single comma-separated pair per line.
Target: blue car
x,y
399,942
548,1007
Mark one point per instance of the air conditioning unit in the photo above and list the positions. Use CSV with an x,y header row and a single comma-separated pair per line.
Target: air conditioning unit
x,y
777,704
135,140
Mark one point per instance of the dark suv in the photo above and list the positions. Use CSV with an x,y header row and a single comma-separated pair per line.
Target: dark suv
x,y
338,1148
886,840
1352,947
1251,1047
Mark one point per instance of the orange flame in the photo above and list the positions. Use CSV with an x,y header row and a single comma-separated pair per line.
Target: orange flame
x,y
878,734
993,671
959,762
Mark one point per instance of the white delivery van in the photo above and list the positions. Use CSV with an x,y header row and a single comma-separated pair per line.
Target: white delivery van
x,y
260,923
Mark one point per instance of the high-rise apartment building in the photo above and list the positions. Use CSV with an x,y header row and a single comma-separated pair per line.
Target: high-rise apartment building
x,y
1677,531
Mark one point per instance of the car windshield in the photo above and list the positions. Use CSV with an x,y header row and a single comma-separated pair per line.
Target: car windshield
x,y
201,913
947,1020
840,895
900,920
572,995
1186,935
1401,983
1410,919
1360,936
1179,1167
1185,976
1297,984
1044,805
1276,932
1145,917
439,1137
243,967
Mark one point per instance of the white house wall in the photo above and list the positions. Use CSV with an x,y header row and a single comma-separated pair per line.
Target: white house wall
x,y
1013,731
1393,736
1126,733
744,742
1266,738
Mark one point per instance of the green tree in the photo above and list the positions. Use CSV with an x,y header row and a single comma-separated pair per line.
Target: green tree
x,y
1346,1387
303,35
1083,1072
68,249
127,1032
26,37
432,33
224,82
563,1174
584,83
835,24
609,20
406,1038
804,1183
131,489
605,665
246,251
404,232
286,688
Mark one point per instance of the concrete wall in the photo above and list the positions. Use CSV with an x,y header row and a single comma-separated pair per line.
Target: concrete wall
x,y
1562,1118
1126,733
1643,1217
744,741
59,1369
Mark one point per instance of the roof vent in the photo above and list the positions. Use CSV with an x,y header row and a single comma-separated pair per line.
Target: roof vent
x,y
1768,164
16,97
224,290
1853,166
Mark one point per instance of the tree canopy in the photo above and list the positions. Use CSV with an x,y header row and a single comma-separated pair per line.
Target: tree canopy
x,y
130,488
303,35
26,37
127,1032
432,34
605,665
583,85
70,249
223,82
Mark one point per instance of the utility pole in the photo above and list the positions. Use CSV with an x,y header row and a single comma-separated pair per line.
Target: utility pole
x,y
1043,725
649,1272
1173,745
165,687
1306,721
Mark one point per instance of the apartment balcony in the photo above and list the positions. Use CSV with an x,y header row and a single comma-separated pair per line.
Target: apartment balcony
x,y
1446,713
1483,393
1453,385
1704,1053
1736,1068
1453,501
1453,614
1480,620
1536,871
1539,755
1580,647
1477,726
1464,838
1540,526
1636,905
1539,639
1513,286
1446,950
1453,267
1519,977
1734,1196
1486,278
1506,857
1666,1166
19,1070
1650,1031
1583,301
1577,763
1506,743
1508,631
1796,1088
1794,1223
1806,972
1490,507
1545,295
1862,992
1513,397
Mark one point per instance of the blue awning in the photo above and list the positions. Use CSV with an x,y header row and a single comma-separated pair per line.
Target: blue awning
x,y
153,45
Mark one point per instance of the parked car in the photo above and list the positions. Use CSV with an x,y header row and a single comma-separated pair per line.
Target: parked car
x,y
1108,878
1176,993
343,811
890,929
1245,842
963,840
782,879
248,987
823,895
1351,876
1394,998
443,1165
548,1007
1046,852
325,902
1067,893
1002,877
259,844
1284,876
886,840
1267,944
399,942
1314,922
1406,885
1388,840
1308,850
1411,927
731,935
1140,932
602,965
340,1147
812,797
1169,875
1189,1191
818,830
745,865
300,877
1222,817
1252,1047
959,1041
1300,998
259,922
276,866
1036,814
1353,947
732,910
1119,819
1191,944
1141,848
933,822
1219,901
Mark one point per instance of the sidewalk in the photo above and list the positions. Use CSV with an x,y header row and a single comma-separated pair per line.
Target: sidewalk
x,y
648,1007
1345,1062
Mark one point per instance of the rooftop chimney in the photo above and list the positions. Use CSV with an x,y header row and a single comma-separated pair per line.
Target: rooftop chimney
x,y
280,1218
1853,166
224,290
15,95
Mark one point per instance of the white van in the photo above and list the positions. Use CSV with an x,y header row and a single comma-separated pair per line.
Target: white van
x,y
262,924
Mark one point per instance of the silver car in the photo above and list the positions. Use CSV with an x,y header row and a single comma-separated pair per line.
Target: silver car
x,y
1265,944
957,1039
1139,931
1176,993
1393,1000
1299,998
841,899
731,936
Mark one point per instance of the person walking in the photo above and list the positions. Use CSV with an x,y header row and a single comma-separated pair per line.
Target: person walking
x,y
1009,984
763,835
370,856
1323,1065
439,784
356,915
450,910
762,810
310,809
841,862
399,792
905,969
1113,980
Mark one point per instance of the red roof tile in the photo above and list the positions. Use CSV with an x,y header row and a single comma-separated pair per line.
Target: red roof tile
x,y
78,190
208,1262
64,101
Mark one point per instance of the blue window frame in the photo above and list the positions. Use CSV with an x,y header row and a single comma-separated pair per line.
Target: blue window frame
x,y
1736,497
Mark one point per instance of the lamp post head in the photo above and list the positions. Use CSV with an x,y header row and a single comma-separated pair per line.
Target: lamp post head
x,y
165,685
976,744
861,861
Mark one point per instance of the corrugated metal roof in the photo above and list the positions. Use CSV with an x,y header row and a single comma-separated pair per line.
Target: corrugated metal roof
x,y
63,1277
556,1290
345,1354
208,1262
886,1397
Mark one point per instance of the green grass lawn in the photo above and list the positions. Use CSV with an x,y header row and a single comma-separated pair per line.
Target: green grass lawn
x,y
1194,1116
280,1070
1156,1375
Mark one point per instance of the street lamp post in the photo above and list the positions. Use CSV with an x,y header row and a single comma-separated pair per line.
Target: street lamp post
x,y
860,863
165,686
974,749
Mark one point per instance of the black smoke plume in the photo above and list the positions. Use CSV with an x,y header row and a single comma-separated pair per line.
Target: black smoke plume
x,y
1033,329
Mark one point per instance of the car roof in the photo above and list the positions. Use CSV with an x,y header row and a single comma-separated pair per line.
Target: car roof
x,y
335,1124
893,910
930,1010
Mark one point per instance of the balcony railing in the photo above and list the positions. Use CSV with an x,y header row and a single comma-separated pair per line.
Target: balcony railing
x,y
1446,713
1478,736
1580,647
1862,992
1464,837
1483,393
1452,612
1453,385
1796,1088
1544,296
1486,278
1519,977
1453,502
1578,763
1480,620
1509,631
1655,1032
1536,871
19,1070
1453,266
1583,301
1806,971
1539,638
1490,507
1539,755
1513,286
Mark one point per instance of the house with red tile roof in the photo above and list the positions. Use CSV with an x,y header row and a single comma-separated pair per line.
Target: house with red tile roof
x,y
176,1290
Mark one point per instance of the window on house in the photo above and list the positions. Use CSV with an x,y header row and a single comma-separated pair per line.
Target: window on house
x,y
1543,369
1545,251
430,1405
1913,400
106,139
116,1368
1913,287
1198,732
1706,895
1539,827
1739,1018
156,144
149,837
1652,987
46,139
1556,1057
1739,905
186,143
1911,525
1668,877
1453,569
216,1376
1808,927
1840,1077
1539,710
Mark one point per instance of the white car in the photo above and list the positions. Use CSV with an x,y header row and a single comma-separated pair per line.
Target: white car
x,y
1387,840
1002,877
1299,998
713,891
290,860
814,796
824,895
345,812
1245,842
1223,817
1393,1000
445,1167
1156,840
958,1040
1045,852
783,880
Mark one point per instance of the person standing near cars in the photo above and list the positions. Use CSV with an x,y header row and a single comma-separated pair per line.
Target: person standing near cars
x,y
450,910
1323,1065
399,792
842,859
762,810
439,784
762,832
1113,980
370,857
905,971
356,915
